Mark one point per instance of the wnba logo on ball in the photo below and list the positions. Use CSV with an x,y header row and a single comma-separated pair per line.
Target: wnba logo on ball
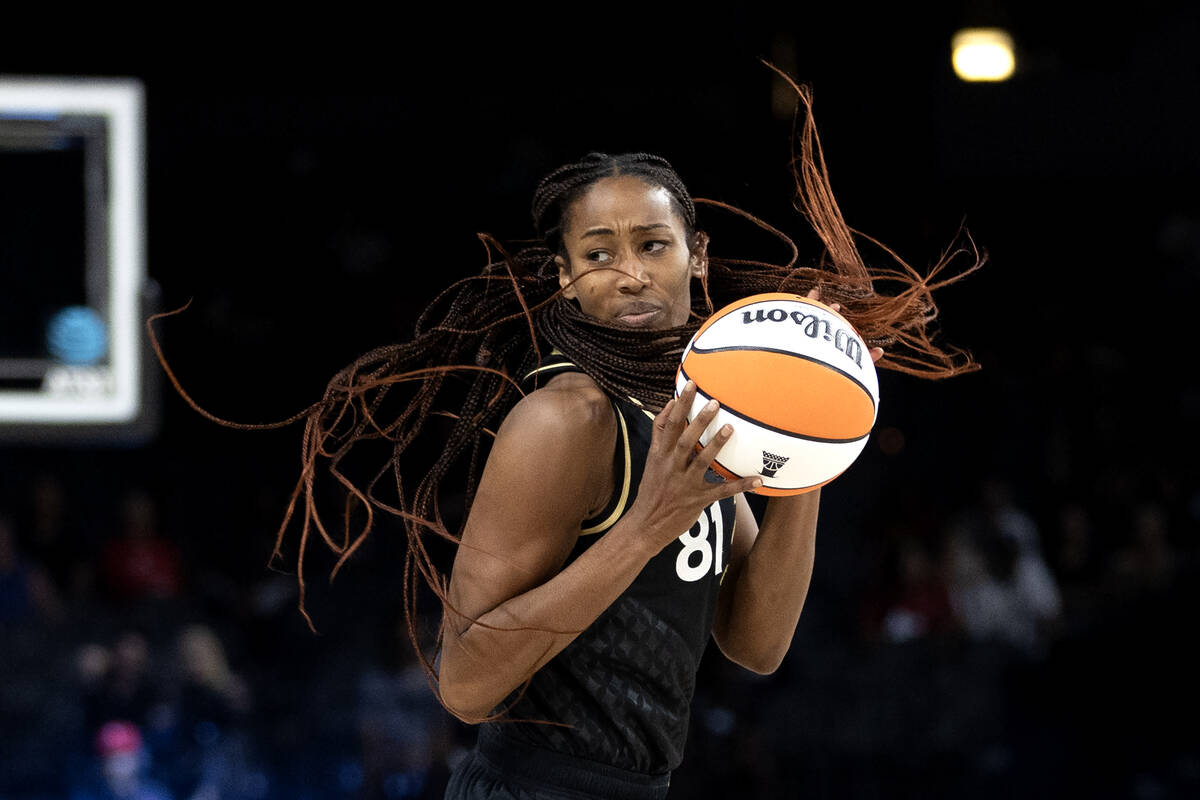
x,y
811,326
772,463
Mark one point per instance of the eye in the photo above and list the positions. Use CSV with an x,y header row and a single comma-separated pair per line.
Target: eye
x,y
654,246
598,256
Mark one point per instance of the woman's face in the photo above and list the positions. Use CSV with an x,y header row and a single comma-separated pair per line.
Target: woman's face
x,y
628,257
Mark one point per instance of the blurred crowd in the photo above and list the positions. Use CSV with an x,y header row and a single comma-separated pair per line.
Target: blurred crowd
x,y
1002,640
128,670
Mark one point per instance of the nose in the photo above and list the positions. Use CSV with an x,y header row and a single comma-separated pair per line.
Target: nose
x,y
632,275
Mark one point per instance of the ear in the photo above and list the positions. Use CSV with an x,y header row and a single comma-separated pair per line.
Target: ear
x,y
699,255
564,277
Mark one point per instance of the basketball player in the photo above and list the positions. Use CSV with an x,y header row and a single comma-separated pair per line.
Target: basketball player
x,y
598,552
599,556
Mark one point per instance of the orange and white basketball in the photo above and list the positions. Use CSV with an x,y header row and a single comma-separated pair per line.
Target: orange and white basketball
x,y
795,381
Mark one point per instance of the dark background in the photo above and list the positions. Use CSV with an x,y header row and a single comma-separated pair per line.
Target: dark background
x,y
310,192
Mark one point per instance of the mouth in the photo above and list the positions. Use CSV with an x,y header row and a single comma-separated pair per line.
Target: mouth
x,y
638,315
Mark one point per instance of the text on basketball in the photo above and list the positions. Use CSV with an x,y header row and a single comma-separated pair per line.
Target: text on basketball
x,y
811,326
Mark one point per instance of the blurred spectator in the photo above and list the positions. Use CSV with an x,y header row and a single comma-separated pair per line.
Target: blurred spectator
x,y
1000,509
140,563
120,770
1077,560
208,756
913,598
27,594
1146,566
117,682
52,536
404,732
1001,587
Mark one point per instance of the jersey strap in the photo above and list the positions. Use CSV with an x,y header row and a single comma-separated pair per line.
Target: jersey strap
x,y
558,363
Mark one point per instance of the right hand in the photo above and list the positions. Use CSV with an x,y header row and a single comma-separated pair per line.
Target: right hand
x,y
674,490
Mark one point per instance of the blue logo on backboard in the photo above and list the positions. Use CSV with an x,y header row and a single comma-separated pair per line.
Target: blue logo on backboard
x,y
77,335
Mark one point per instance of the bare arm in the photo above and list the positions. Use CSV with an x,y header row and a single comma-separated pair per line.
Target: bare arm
x,y
769,573
512,605
770,569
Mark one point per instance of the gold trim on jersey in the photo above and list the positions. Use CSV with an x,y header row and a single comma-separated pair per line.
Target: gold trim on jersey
x,y
732,534
641,406
623,499
611,519
550,367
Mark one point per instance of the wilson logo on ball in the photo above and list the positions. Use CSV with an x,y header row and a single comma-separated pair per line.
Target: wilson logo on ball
x,y
813,326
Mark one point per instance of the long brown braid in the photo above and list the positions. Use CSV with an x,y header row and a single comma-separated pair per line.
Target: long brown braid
x,y
474,342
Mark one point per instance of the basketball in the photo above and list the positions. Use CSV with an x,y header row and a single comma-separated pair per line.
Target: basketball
x,y
796,383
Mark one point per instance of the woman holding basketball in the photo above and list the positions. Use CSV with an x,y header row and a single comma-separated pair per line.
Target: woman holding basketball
x,y
598,552
588,583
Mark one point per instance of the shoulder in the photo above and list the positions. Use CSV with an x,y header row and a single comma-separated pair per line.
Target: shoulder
x,y
564,433
570,410
549,468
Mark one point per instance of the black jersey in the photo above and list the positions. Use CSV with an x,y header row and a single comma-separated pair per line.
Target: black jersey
x,y
623,687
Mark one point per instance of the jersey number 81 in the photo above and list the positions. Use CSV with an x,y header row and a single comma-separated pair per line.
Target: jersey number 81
x,y
698,555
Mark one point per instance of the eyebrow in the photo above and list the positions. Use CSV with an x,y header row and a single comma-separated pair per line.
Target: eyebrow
x,y
636,229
